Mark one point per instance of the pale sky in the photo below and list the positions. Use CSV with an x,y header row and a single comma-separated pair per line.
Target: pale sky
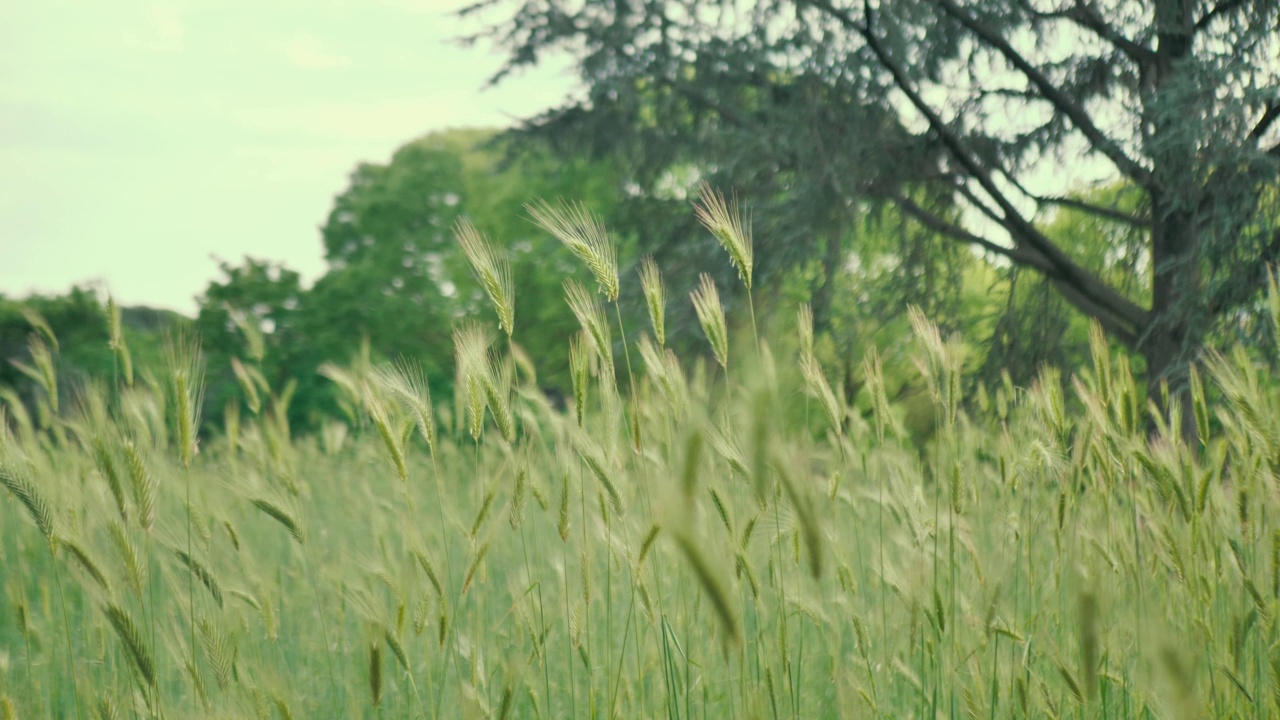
x,y
142,141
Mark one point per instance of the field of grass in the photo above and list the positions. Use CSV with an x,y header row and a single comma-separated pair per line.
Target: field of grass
x,y
684,540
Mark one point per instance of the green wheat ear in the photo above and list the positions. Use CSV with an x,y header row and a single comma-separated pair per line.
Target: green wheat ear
x,y
706,302
583,233
24,488
725,222
586,307
186,375
407,382
491,269
117,342
655,297
471,348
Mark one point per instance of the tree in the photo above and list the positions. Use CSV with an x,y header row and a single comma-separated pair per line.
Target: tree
x,y
396,275
68,335
963,100
255,316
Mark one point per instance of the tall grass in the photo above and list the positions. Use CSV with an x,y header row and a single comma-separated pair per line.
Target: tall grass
x,y
731,546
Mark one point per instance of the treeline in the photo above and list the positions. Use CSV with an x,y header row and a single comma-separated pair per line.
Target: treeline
x,y
397,285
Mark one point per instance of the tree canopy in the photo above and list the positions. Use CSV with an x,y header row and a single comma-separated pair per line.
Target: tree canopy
x,y
397,278
949,109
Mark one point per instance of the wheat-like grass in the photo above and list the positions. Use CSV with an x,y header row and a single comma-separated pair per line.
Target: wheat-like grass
x,y
117,342
580,373
133,641
655,298
107,709
186,373
706,303
86,562
250,330
248,385
287,519
471,348
142,483
482,514
408,383
390,438
375,672
40,325
475,566
134,569
584,234
23,487
803,507
201,573
44,373
430,569
515,514
725,222
219,649
106,462
491,269
586,307
601,467
712,586
497,388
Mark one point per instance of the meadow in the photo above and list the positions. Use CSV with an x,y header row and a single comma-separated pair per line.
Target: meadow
x,y
686,539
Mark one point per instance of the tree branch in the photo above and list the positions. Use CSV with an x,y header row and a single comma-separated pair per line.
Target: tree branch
x,y
1087,285
1090,208
1052,93
732,116
1116,326
1265,122
938,225
1086,16
1223,7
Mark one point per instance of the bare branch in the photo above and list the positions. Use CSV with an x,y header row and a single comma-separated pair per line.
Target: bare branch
x,y
1053,94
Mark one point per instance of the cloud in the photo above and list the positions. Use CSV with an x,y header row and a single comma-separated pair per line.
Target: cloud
x,y
306,51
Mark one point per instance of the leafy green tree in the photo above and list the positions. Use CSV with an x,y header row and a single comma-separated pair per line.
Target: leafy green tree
x,y
254,316
396,275
962,100
60,336
71,333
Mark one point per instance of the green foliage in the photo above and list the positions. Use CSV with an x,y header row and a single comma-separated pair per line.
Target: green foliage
x,y
67,337
398,276
711,553
952,112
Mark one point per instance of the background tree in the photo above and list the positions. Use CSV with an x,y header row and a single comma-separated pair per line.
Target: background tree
x,y
78,348
962,100
396,276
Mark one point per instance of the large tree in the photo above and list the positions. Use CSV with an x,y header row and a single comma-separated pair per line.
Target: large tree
x,y
930,104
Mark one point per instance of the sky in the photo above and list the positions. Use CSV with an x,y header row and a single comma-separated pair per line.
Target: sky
x,y
142,143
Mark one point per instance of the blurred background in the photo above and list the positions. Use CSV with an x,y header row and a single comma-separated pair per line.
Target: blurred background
x,y
295,169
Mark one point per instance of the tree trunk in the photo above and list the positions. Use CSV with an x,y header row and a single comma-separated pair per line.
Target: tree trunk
x,y
1176,330
831,264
